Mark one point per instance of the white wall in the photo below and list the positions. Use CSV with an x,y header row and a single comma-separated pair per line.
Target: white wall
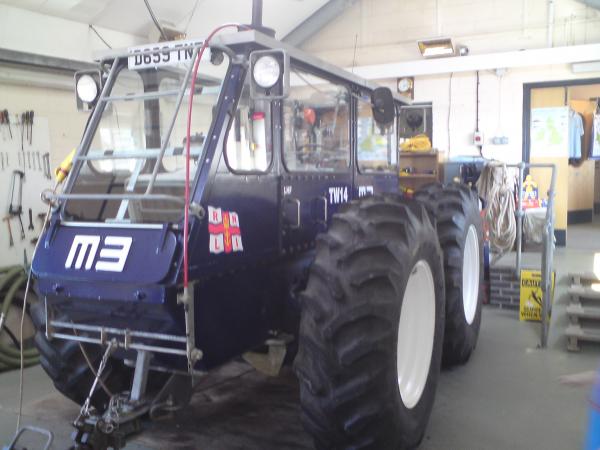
x,y
32,32
387,31
500,108
65,123
57,128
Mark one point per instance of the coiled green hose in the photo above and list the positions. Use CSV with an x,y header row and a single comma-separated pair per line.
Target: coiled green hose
x,y
12,279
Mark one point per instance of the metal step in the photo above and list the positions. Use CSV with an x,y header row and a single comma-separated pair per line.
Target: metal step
x,y
578,277
584,312
577,290
576,333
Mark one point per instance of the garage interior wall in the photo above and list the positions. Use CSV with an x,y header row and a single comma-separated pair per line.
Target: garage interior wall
x,y
24,88
387,30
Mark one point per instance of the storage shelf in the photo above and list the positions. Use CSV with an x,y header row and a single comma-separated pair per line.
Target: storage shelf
x,y
413,154
419,176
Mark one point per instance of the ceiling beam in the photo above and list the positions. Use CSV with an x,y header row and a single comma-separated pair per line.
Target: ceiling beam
x,y
51,63
592,3
315,22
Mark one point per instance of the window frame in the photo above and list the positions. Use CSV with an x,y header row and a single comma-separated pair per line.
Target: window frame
x,y
268,135
296,65
359,169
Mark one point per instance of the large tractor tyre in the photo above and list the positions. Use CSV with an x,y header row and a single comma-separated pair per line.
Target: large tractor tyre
x,y
66,366
456,208
372,327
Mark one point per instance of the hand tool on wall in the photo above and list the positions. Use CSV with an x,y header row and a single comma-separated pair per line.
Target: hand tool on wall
x,y
42,218
30,227
15,208
30,127
46,161
7,120
2,122
23,120
39,164
26,126
11,241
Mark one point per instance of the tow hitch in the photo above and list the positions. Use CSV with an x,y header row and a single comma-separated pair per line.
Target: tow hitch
x,y
96,430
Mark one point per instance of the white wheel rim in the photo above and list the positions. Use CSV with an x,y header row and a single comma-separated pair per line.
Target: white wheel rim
x,y
470,274
416,332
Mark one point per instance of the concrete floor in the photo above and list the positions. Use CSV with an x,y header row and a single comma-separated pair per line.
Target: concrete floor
x,y
507,397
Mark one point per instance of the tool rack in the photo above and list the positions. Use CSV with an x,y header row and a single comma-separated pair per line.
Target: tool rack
x,y
24,149
583,310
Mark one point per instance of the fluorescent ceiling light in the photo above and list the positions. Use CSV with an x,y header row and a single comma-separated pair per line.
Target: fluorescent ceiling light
x,y
593,66
435,48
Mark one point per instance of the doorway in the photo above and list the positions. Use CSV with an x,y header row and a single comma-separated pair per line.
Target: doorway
x,y
561,125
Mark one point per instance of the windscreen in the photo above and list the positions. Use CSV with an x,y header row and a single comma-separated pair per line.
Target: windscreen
x,y
139,121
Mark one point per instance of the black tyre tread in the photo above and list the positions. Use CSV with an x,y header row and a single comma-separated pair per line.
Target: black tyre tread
x,y
346,337
455,206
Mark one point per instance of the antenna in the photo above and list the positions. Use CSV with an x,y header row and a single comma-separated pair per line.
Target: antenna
x,y
257,9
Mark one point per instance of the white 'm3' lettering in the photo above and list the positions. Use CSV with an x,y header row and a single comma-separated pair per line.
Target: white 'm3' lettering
x,y
112,256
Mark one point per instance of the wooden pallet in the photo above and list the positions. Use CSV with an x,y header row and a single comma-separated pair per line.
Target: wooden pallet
x,y
580,277
576,333
578,292
577,311
584,305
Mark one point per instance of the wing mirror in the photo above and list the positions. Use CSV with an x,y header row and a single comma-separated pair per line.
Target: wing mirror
x,y
382,103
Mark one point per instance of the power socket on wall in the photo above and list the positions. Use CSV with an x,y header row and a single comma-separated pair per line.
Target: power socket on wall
x,y
500,140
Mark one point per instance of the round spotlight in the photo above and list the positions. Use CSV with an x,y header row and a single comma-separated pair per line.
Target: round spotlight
x,y
87,89
266,72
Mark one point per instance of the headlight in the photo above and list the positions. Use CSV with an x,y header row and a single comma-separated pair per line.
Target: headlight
x,y
87,89
266,72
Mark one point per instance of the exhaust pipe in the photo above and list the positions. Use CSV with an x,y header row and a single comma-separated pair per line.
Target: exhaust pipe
x,y
257,9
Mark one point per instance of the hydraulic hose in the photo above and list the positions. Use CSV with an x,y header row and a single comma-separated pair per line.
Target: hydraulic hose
x,y
12,279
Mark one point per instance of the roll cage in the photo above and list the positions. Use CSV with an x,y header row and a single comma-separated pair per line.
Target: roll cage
x,y
238,47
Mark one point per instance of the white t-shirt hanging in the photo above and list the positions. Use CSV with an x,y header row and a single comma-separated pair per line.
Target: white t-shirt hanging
x,y
595,150
575,132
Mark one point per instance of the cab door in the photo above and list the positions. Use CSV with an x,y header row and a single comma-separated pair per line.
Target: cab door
x,y
376,151
317,168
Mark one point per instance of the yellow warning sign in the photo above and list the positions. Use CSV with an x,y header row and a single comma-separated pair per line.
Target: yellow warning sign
x,y
531,295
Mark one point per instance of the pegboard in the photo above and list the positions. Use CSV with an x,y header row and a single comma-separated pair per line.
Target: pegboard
x,y
25,159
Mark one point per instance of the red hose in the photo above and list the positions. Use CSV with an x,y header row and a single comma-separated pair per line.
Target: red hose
x,y
186,208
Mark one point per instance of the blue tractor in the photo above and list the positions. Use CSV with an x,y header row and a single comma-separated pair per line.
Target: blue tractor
x,y
297,245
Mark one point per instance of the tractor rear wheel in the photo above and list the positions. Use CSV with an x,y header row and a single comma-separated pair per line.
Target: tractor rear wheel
x,y
456,208
371,329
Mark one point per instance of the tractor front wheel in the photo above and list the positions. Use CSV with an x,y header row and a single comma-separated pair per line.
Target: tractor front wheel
x,y
372,327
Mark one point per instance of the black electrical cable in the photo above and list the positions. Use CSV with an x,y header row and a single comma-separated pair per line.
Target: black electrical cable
x,y
449,109
191,15
480,146
11,336
98,34
155,20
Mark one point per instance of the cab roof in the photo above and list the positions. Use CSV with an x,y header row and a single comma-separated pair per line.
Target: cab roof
x,y
243,39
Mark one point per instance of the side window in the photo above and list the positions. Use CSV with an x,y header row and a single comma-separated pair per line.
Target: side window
x,y
248,147
377,148
316,125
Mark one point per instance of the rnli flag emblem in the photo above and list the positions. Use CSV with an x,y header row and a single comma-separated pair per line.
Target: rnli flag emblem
x,y
224,234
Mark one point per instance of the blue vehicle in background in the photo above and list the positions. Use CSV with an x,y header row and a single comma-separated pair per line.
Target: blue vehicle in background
x,y
299,246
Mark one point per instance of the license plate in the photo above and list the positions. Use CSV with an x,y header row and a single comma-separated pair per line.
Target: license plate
x,y
161,54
